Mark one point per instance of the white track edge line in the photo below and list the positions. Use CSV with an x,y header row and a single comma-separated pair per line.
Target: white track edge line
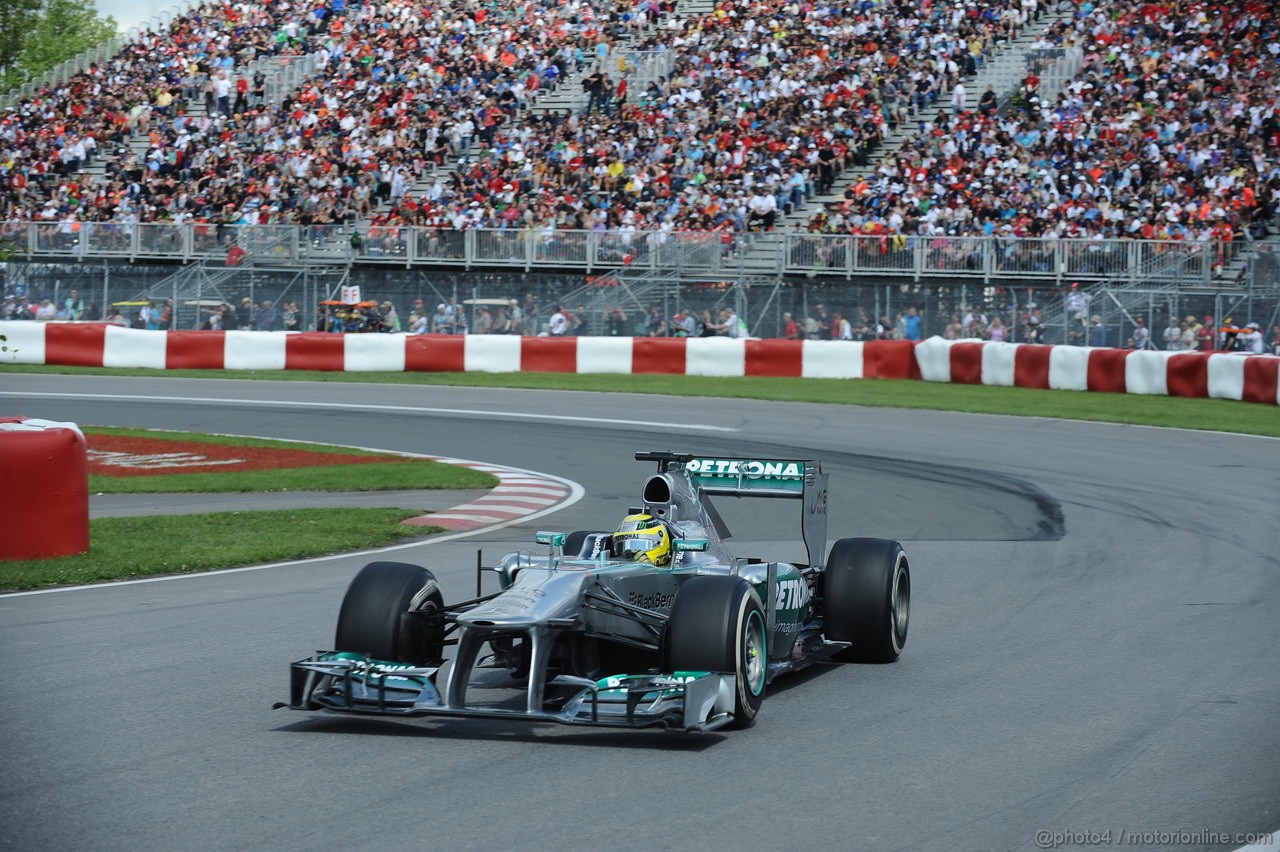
x,y
351,406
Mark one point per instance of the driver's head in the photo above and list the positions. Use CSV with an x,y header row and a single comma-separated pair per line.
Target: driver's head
x,y
642,538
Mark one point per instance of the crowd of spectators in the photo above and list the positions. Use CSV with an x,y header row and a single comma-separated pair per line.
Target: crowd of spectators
x,y
767,102
48,141
252,315
1169,131
399,85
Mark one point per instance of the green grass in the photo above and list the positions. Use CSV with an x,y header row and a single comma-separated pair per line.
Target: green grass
x,y
402,474
1214,414
127,548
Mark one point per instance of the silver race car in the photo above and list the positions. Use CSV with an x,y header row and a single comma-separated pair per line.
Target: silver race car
x,y
654,623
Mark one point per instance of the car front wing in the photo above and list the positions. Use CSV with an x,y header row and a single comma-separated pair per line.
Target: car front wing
x,y
350,683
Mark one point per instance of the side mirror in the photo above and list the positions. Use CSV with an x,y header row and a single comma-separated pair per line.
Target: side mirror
x,y
692,545
555,539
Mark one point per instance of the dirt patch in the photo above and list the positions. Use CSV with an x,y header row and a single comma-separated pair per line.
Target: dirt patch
x,y
122,455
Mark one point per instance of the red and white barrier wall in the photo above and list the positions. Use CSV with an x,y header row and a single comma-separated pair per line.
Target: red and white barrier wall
x,y
1220,375
44,499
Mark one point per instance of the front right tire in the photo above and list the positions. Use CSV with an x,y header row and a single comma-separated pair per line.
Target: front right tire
x,y
386,615
717,624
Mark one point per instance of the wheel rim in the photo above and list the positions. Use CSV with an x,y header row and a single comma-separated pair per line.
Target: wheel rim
x,y
901,602
753,653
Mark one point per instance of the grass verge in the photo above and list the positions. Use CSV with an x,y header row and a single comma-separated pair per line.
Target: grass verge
x,y
128,548
404,474
1215,414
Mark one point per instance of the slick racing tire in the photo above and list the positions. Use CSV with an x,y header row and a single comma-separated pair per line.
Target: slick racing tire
x,y
387,615
868,598
717,624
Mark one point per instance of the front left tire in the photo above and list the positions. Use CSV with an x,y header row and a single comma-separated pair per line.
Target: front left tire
x,y
717,624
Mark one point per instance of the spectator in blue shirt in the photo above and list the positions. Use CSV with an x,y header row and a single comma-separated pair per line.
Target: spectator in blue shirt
x,y
913,325
266,317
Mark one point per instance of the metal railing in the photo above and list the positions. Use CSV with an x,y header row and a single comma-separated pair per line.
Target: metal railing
x,y
284,74
696,254
644,67
635,288
1055,66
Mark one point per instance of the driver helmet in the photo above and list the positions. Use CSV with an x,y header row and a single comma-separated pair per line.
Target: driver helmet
x,y
642,538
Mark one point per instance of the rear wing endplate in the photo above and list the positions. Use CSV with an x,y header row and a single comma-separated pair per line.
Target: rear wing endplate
x,y
736,476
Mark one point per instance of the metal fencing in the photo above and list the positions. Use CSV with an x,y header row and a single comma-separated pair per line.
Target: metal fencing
x,y
764,303
984,259
1055,66
284,74
644,67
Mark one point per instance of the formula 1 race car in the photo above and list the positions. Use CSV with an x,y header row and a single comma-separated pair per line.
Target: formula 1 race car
x,y
652,624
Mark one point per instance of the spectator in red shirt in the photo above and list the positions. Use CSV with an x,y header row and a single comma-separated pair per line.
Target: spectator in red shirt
x,y
1204,336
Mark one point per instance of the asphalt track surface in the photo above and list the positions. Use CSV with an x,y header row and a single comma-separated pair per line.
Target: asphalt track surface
x,y
1093,646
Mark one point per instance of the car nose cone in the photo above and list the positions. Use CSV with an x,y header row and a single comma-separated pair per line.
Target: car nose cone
x,y
538,596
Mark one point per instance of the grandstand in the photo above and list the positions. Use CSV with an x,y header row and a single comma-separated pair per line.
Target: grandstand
x,y
753,152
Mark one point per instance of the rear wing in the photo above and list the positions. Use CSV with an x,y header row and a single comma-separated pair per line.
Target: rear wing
x,y
736,476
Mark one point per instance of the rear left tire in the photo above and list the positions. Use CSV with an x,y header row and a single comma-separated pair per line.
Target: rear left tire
x,y
867,598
